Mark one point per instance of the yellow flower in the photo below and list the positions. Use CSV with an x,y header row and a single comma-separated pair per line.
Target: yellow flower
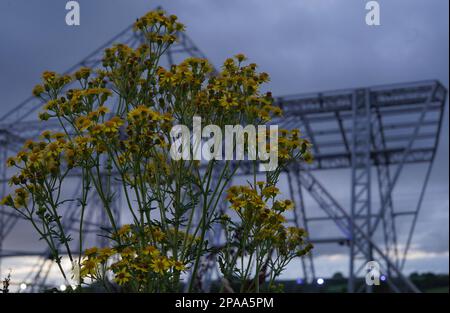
x,y
270,191
46,134
229,63
150,250
21,198
97,129
166,79
105,253
228,101
44,116
83,73
289,204
139,114
102,110
38,90
83,123
53,149
160,265
51,105
91,251
179,266
158,235
89,267
264,77
124,230
237,204
122,276
240,57
308,157
112,126
10,162
127,252
48,76
142,267
59,136
8,200
306,250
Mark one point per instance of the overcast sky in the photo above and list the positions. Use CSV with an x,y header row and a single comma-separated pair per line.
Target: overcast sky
x,y
305,45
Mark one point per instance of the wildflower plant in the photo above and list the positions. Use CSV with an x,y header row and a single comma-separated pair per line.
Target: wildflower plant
x,y
116,132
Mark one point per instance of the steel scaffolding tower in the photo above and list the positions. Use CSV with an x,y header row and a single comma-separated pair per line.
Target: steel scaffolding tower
x,y
372,132
361,192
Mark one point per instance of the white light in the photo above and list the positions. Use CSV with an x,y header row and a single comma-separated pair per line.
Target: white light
x,y
63,287
23,286
73,287
320,281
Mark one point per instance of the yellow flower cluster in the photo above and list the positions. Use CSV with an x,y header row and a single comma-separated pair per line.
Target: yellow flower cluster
x,y
237,89
38,159
132,260
158,27
251,205
266,223
109,128
124,58
188,75
83,73
292,146
77,101
51,81
145,118
20,200
41,162
147,133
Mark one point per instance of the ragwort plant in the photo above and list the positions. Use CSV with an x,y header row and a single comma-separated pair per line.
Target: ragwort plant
x,y
129,143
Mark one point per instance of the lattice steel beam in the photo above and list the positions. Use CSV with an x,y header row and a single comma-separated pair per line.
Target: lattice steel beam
x,y
360,184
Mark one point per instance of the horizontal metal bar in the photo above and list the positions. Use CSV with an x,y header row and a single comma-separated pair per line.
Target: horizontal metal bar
x,y
339,240
405,213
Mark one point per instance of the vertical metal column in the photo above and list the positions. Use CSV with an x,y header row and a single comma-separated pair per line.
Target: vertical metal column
x,y
360,213
384,188
300,219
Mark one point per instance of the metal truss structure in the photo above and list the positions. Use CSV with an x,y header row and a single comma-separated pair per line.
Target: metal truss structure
x,y
370,132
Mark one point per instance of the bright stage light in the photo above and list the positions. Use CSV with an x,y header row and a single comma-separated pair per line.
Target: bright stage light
x,y
320,281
